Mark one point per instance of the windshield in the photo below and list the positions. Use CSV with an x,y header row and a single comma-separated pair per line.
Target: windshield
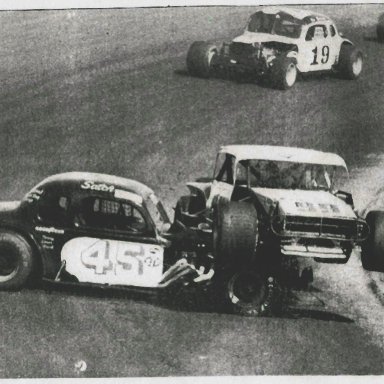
x,y
278,24
288,175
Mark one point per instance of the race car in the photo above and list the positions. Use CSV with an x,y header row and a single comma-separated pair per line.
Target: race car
x,y
278,43
89,228
273,212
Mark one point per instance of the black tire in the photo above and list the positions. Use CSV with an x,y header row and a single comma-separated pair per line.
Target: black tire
x,y
16,261
380,33
199,58
238,286
235,233
372,249
284,72
248,293
350,62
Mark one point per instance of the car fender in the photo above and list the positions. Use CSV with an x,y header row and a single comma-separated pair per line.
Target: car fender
x,y
346,41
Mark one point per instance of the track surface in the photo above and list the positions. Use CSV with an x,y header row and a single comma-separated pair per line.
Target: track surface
x,y
107,91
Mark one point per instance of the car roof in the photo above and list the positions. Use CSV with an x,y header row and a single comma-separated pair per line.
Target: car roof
x,y
280,153
299,14
75,179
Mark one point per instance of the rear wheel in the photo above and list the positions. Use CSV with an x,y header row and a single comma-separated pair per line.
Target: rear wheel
x,y
372,250
199,58
351,62
284,72
16,260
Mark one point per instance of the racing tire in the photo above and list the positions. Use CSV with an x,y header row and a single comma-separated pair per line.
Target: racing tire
x,y
380,33
235,233
16,261
238,287
350,62
284,72
199,58
372,249
248,293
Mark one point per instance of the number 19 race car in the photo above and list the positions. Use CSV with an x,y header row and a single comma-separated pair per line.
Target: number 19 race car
x,y
280,43
91,228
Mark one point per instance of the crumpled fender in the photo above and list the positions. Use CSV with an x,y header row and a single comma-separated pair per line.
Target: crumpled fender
x,y
346,41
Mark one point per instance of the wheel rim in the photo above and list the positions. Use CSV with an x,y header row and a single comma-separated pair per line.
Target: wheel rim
x,y
246,289
291,74
8,264
357,66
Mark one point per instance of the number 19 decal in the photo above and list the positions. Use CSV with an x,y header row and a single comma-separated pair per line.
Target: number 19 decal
x,y
324,54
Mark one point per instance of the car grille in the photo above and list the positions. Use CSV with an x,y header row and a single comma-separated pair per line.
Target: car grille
x,y
241,50
322,227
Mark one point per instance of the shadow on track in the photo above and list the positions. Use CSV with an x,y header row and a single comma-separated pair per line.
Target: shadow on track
x,y
190,301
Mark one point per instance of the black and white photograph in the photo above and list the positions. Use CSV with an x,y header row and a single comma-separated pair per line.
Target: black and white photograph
x,y
191,190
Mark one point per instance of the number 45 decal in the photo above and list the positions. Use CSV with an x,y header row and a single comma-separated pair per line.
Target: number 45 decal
x,y
128,258
324,54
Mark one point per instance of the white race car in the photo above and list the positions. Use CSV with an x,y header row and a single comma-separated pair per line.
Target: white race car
x,y
280,42
276,212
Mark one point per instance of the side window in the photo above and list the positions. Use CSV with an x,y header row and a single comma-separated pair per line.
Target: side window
x,y
316,32
52,209
224,168
333,30
110,214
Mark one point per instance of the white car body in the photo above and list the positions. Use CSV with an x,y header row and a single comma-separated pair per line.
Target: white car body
x,y
318,54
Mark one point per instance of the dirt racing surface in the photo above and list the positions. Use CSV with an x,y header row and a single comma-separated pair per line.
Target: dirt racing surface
x,y
107,91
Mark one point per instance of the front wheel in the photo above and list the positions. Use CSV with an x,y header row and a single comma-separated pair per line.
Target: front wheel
x,y
16,261
372,249
199,58
351,62
284,72
246,293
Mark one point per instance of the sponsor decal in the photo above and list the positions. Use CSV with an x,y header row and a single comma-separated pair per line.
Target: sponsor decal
x,y
97,186
50,230
47,242
34,195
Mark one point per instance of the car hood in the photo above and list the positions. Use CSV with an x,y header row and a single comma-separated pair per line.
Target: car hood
x,y
304,203
256,37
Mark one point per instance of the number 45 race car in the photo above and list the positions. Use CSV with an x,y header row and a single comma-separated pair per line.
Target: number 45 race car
x,y
279,43
88,228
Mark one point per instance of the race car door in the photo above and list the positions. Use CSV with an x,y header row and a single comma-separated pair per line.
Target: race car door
x,y
113,243
317,52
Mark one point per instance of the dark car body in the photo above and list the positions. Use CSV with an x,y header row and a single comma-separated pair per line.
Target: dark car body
x,y
100,229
